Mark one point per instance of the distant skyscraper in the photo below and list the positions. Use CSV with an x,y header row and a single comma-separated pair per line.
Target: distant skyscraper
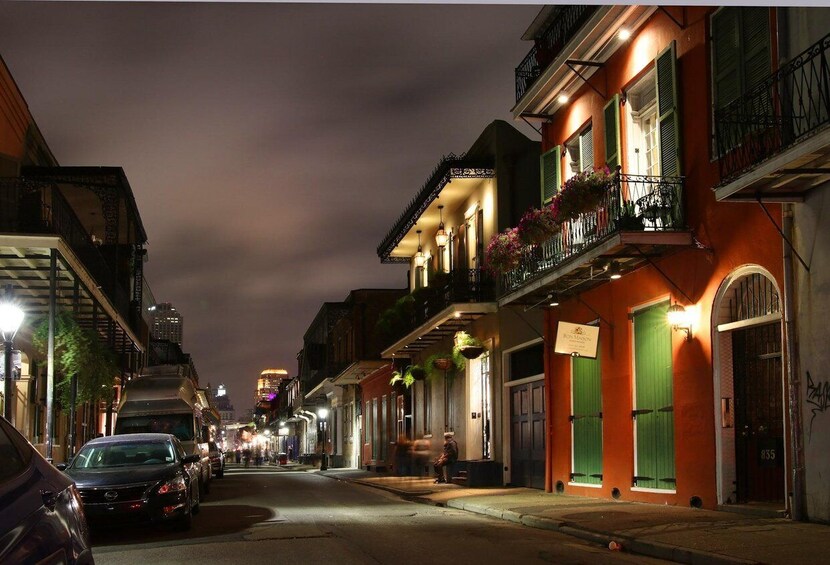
x,y
223,405
167,323
269,382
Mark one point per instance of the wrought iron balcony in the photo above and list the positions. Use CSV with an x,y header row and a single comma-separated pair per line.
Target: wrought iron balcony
x,y
786,108
469,293
634,203
28,207
566,21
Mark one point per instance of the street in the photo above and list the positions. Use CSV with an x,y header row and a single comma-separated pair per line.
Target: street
x,y
269,515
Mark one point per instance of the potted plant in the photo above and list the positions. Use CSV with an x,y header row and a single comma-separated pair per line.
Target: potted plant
x,y
504,251
418,373
628,219
537,226
468,346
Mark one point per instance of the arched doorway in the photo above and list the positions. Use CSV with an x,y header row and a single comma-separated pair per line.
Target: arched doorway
x,y
749,389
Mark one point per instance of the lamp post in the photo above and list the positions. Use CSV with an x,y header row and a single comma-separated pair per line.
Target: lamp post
x,y
323,413
11,316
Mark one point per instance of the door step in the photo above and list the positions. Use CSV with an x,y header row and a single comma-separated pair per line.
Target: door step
x,y
460,479
758,510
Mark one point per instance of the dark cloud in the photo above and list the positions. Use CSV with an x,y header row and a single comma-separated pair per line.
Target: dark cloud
x,y
270,146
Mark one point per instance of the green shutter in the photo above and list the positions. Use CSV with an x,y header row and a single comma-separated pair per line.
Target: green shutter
x,y
654,407
550,165
726,57
667,112
755,43
587,421
586,149
611,111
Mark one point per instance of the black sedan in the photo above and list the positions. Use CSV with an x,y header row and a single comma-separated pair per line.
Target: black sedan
x,y
42,520
137,478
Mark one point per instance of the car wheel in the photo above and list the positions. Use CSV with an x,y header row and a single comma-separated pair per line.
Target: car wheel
x,y
196,499
185,521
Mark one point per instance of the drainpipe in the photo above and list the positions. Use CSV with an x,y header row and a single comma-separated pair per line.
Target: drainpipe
x,y
792,374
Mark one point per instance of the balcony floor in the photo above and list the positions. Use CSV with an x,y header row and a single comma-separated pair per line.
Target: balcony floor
x,y
632,249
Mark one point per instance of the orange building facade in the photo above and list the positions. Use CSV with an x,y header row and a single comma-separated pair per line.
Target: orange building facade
x,y
684,413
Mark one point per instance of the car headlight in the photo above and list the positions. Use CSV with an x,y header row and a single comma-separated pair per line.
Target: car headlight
x,y
173,485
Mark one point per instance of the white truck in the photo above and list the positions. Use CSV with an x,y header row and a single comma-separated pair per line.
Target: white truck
x,y
163,399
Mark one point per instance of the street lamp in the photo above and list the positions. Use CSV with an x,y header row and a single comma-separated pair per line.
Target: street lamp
x,y
323,413
11,316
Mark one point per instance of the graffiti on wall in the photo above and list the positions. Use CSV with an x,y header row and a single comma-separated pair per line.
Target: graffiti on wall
x,y
818,395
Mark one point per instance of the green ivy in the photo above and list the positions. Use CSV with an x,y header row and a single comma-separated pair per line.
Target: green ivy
x,y
78,352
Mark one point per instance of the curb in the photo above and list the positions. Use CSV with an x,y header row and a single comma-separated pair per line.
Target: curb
x,y
632,545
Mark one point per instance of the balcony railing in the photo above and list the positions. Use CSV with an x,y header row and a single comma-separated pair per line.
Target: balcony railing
x,y
633,203
38,208
777,113
566,21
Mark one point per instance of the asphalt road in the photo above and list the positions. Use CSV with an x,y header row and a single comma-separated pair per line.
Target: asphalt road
x,y
267,515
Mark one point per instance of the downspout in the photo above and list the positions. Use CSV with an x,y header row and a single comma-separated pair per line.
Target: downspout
x,y
792,375
548,406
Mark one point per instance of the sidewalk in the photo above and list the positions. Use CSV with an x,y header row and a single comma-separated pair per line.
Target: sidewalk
x,y
685,535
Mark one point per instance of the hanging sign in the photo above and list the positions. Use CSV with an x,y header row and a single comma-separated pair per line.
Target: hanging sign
x,y
577,340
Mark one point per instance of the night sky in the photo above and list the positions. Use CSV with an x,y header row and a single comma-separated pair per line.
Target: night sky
x,y
270,147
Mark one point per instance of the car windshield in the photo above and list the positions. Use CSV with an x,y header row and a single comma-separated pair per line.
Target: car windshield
x,y
124,455
180,425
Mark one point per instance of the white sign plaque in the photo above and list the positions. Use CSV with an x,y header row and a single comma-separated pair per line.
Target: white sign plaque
x,y
577,339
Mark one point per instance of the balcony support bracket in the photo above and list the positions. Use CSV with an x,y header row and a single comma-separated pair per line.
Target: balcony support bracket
x,y
783,235
672,18
572,63
663,274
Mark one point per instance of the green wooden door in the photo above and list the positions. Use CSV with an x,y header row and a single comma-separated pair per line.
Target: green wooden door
x,y
654,408
586,422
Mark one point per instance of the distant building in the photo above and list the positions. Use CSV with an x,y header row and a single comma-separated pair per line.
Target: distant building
x,y
268,383
222,402
167,323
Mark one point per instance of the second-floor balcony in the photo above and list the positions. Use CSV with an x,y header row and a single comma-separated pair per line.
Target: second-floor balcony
x,y
450,302
639,218
565,21
773,141
30,208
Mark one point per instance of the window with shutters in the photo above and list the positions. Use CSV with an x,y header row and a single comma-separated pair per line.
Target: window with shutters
x,y
580,153
550,165
741,55
641,125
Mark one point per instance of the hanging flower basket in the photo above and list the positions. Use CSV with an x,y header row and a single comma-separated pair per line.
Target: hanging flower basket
x,y
537,226
418,373
582,193
504,251
442,363
471,351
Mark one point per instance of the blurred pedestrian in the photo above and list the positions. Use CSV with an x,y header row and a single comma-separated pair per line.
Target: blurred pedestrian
x,y
420,456
403,455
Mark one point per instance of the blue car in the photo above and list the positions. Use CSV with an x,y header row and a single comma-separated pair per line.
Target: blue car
x,y
42,518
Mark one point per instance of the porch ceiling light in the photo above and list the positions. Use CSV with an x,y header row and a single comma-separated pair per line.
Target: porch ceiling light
x,y
322,413
441,237
563,98
624,34
419,256
679,320
553,300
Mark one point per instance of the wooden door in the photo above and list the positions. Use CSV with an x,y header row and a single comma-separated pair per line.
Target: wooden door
x,y
527,435
759,413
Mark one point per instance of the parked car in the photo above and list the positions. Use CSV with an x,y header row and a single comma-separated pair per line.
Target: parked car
x,y
137,478
217,459
42,519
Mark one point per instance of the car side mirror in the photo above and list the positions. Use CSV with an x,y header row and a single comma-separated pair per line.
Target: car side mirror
x,y
191,459
62,466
